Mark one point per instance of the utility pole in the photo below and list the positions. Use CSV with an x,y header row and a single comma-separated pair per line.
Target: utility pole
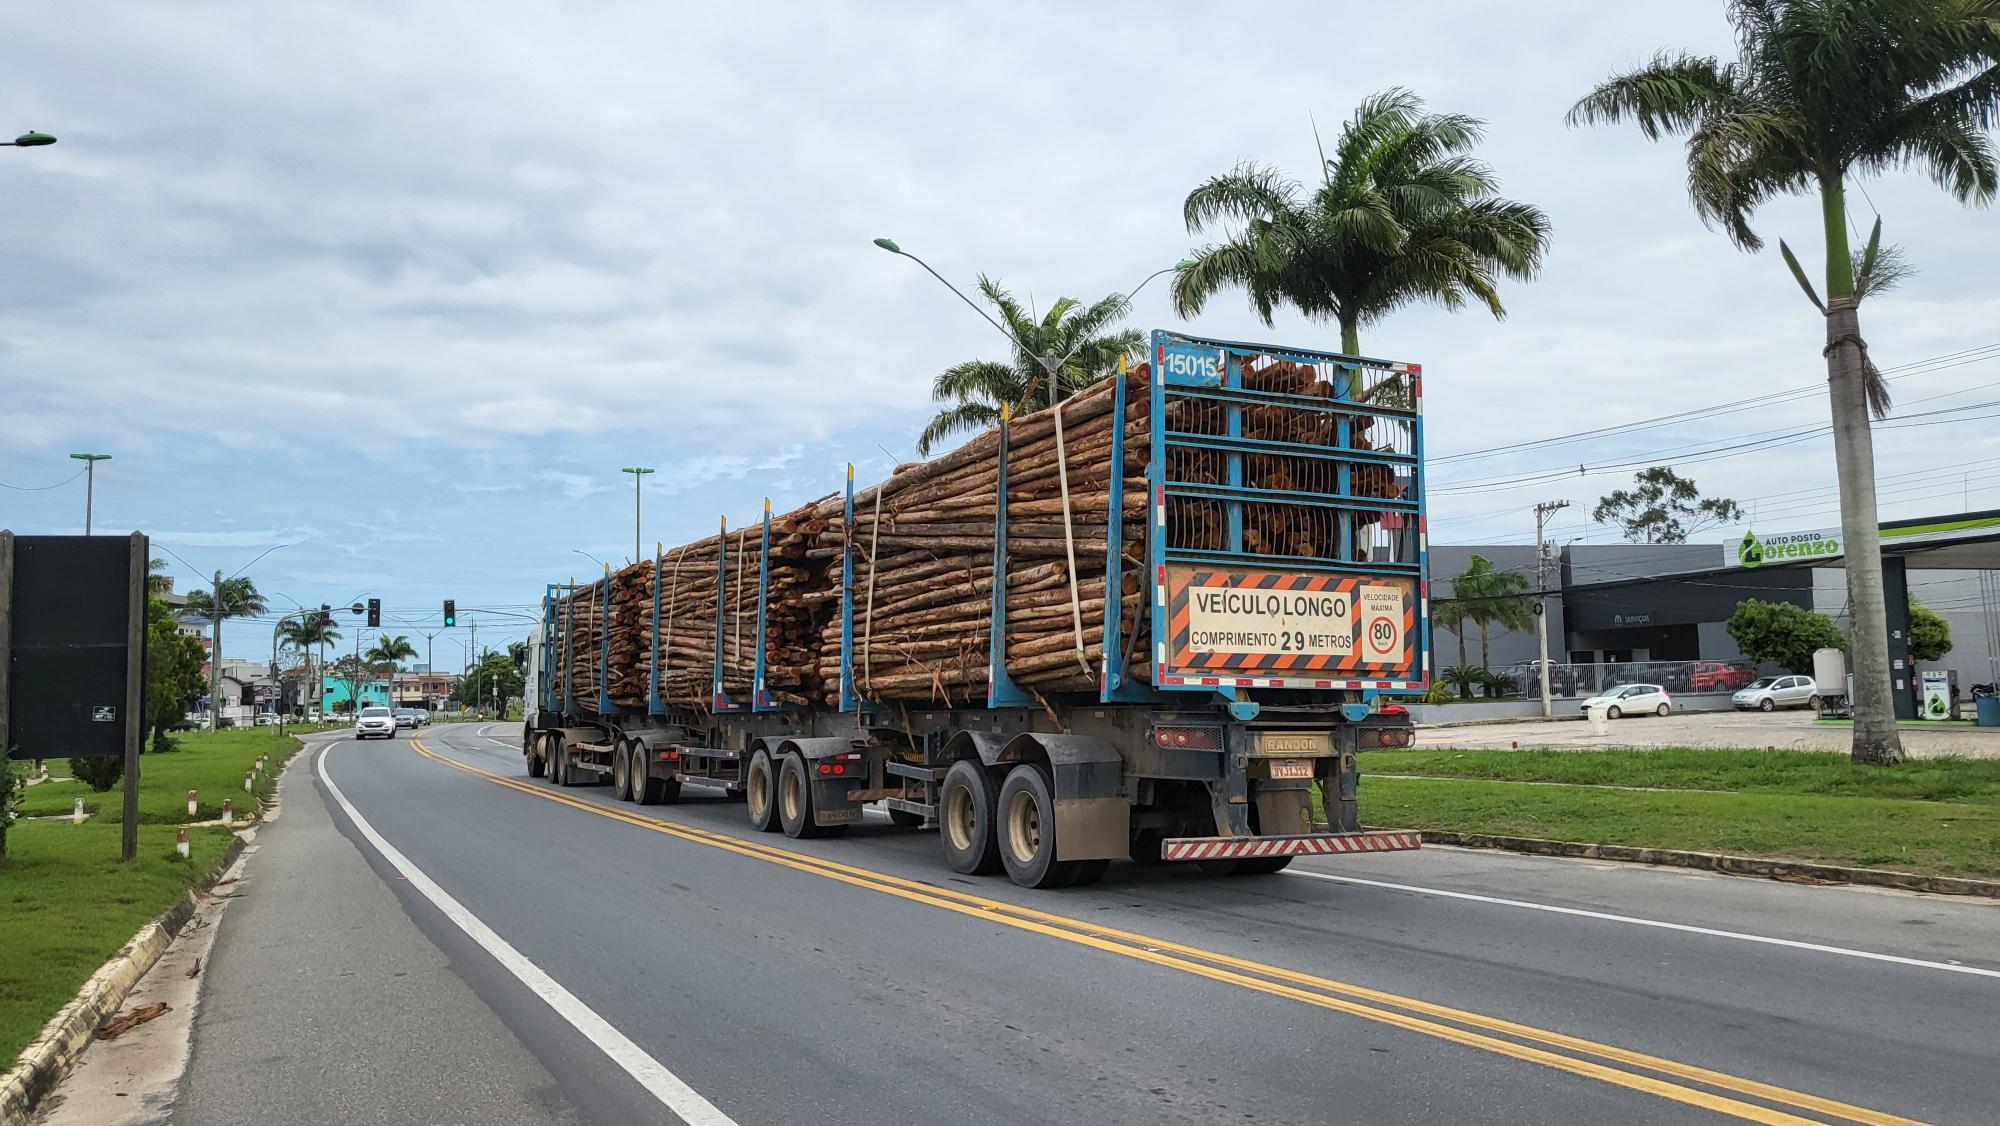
x,y
1543,511
215,656
480,689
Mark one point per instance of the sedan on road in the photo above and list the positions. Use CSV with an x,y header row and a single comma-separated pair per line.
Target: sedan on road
x,y
1773,692
1632,699
375,723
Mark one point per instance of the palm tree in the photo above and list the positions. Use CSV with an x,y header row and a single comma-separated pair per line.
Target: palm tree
x,y
1084,338
390,651
159,584
1821,89
1492,597
230,598
1402,215
1452,614
302,634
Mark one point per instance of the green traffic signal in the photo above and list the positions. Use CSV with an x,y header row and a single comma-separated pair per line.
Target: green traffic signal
x,y
450,613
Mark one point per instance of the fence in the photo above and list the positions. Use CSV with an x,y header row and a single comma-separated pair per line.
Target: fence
x,y
1577,681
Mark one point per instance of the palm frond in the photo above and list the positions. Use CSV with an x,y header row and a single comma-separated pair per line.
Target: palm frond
x,y
955,420
1671,95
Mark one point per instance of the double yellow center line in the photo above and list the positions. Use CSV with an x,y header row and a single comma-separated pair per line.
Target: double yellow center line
x,y
1668,1079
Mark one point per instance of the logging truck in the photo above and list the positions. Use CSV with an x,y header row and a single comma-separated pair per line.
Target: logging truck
x,y
1155,621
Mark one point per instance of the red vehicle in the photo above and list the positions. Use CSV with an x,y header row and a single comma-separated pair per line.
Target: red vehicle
x,y
1719,676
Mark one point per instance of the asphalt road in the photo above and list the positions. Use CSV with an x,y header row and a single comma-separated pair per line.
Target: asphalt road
x,y
654,958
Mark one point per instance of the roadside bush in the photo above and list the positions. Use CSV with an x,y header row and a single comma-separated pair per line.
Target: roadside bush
x,y
99,773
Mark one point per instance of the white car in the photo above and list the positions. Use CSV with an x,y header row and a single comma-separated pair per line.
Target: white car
x,y
1632,699
375,722
1771,692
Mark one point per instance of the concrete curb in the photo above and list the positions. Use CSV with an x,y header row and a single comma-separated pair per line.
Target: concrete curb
x,y
1719,862
44,1062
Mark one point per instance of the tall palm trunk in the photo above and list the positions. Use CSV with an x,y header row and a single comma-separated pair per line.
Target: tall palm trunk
x,y
1485,661
1875,736
1460,631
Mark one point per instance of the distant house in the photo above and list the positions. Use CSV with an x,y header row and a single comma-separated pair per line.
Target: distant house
x,y
336,694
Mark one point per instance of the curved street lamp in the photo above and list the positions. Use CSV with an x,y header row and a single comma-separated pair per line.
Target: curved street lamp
x,y
1051,365
29,140
90,478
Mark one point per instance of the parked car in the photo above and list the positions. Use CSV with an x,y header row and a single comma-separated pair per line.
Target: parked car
x,y
266,719
1632,699
375,723
1720,676
1772,692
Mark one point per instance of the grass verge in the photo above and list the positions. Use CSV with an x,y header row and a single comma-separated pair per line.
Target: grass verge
x,y
68,904
1932,817
209,762
1791,772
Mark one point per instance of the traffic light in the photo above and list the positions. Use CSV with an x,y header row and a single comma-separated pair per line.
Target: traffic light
x,y
326,613
450,613
374,612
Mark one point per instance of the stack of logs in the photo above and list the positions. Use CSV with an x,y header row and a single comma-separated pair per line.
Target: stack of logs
x,y
923,560
923,543
688,577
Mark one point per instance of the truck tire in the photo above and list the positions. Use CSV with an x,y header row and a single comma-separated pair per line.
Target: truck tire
x,y
795,801
965,819
559,762
1263,866
1027,829
663,791
760,792
1146,847
904,819
538,763
621,771
1218,867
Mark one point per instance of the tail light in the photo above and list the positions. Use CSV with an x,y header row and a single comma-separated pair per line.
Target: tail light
x,y
1192,738
1392,709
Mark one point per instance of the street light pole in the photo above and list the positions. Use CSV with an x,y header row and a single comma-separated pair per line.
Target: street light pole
x,y
29,140
1051,365
638,473
89,483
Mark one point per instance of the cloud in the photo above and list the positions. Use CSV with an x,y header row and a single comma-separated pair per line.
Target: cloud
x,y
440,275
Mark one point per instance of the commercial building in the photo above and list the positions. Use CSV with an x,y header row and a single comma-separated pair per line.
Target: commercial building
x,y
1621,603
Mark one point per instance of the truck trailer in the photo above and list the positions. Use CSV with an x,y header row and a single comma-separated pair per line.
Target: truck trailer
x,y
1156,621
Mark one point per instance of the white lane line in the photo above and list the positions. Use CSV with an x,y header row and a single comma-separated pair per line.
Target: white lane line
x,y
662,1084
1661,924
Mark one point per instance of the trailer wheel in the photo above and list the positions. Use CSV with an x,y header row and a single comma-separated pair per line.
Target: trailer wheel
x,y
621,771
965,820
1263,866
1027,826
795,804
1218,867
760,789
904,819
538,763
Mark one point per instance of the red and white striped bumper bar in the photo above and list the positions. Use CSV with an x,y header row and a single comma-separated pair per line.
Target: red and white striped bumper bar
x,y
1234,848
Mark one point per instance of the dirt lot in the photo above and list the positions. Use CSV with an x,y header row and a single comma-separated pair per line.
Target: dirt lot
x,y
1790,730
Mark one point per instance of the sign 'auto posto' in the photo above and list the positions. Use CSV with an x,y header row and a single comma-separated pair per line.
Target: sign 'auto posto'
x,y
1754,550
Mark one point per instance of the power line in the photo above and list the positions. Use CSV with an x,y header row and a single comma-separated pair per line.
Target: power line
x,y
42,488
1978,354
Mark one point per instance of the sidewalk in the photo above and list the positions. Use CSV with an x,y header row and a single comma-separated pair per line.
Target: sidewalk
x,y
321,1002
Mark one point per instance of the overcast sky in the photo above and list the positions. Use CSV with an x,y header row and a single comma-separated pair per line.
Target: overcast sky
x,y
402,286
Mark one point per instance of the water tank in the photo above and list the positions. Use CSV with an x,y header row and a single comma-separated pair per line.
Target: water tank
x,y
1829,667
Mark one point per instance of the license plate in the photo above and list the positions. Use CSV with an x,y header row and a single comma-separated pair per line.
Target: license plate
x,y
1291,768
